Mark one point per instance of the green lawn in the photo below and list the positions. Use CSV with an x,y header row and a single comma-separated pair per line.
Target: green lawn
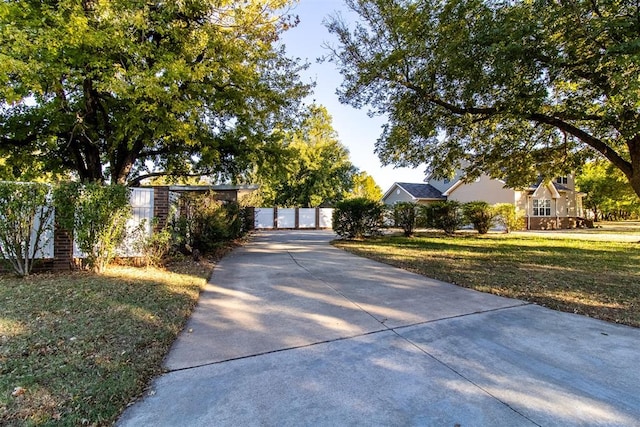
x,y
600,279
76,348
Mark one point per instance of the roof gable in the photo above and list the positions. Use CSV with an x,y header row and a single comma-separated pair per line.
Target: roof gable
x,y
421,191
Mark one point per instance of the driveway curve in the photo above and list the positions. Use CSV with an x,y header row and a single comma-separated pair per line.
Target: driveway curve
x,y
291,331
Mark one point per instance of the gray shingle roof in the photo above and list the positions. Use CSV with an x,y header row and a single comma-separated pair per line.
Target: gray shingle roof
x,y
421,191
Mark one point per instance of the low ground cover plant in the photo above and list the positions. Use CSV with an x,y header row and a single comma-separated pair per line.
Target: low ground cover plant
x,y
76,348
600,279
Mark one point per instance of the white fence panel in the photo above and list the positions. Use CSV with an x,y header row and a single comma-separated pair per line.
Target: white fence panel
x,y
287,218
140,225
263,218
46,239
307,218
326,217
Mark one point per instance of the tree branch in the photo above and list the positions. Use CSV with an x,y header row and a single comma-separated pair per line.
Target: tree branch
x,y
135,182
588,139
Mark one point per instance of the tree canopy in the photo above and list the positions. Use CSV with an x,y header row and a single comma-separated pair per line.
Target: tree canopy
x,y
364,186
608,193
118,90
313,168
516,89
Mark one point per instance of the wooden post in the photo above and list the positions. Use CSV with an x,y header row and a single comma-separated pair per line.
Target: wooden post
x,y
275,217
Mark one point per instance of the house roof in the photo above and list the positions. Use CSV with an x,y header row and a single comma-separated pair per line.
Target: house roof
x,y
420,191
557,186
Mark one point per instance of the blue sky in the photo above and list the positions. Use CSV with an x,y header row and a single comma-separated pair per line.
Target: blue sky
x,y
355,129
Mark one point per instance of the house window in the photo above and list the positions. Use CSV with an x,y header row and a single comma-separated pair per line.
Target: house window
x,y
562,180
541,207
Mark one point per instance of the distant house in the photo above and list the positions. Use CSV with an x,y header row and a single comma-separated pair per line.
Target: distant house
x,y
545,205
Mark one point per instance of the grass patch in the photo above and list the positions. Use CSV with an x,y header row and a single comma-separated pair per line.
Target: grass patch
x,y
600,279
76,348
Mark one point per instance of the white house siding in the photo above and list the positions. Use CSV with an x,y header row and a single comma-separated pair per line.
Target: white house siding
x,y
486,189
444,184
397,195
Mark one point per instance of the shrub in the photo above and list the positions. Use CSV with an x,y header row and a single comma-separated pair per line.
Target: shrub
x,y
508,217
446,216
205,223
480,214
358,218
26,223
96,215
154,247
405,215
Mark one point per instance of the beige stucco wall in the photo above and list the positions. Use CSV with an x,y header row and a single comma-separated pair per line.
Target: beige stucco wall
x,y
486,189
520,199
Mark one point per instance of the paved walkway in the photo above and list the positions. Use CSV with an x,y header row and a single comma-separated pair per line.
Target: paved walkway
x,y
293,332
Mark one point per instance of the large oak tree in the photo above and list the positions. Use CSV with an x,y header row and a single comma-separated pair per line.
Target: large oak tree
x,y
116,90
514,88
314,168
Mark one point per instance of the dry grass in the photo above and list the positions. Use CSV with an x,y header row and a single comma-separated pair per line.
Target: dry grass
x,y
76,348
596,278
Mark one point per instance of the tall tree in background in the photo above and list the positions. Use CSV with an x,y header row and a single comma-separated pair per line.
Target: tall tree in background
x,y
122,89
313,168
364,186
608,193
514,88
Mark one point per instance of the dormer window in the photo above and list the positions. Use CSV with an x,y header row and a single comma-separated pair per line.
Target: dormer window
x,y
562,180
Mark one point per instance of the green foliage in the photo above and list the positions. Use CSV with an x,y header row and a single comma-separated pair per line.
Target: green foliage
x,y
154,247
365,186
358,218
513,88
313,167
608,193
480,214
404,216
508,217
26,223
446,216
96,215
133,89
205,223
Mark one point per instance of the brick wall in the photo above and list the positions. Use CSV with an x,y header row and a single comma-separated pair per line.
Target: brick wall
x,y
160,206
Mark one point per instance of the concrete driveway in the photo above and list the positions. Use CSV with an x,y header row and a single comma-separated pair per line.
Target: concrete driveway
x,y
293,332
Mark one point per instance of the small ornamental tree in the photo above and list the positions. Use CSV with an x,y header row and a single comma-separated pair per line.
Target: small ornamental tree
x,y
480,214
358,218
97,216
446,216
404,215
26,224
507,216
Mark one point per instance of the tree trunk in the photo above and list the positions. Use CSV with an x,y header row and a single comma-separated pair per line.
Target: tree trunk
x,y
634,154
